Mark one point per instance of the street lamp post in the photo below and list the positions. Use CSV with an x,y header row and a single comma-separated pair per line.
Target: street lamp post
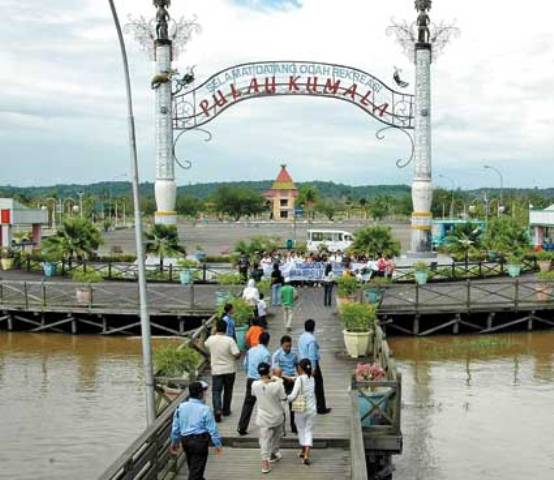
x,y
144,315
453,184
501,178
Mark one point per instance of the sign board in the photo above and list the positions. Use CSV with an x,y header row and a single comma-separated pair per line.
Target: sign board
x,y
228,87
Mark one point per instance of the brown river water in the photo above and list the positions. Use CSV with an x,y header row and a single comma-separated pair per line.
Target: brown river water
x,y
474,407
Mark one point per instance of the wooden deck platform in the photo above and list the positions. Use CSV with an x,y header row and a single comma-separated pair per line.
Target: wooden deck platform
x,y
332,432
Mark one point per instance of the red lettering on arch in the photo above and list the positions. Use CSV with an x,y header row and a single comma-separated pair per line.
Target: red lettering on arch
x,y
331,87
293,85
234,92
204,104
221,101
381,108
270,88
253,86
311,85
351,91
364,101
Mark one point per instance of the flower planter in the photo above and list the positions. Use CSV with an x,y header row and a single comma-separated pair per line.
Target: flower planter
x,y
83,295
514,270
543,291
185,277
7,263
544,265
240,333
49,269
357,343
376,395
421,277
374,295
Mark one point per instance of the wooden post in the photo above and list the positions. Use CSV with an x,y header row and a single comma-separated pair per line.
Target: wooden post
x,y
191,295
110,270
170,272
73,326
468,295
104,324
516,294
10,322
44,302
530,321
416,324
84,265
26,295
456,325
490,318
481,268
204,276
28,264
181,326
1,292
417,297
91,290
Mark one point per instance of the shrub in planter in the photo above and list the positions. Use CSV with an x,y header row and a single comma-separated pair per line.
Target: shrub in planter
x,y
229,279
514,266
544,289
375,291
421,272
186,274
177,362
84,294
347,287
358,320
7,258
544,259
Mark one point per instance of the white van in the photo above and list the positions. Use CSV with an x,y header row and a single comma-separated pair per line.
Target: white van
x,y
334,240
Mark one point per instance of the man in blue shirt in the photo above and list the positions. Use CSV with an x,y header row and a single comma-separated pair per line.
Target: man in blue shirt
x,y
254,356
308,347
229,320
286,360
193,427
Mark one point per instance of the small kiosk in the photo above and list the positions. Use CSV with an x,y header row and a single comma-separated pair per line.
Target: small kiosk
x,y
13,214
541,223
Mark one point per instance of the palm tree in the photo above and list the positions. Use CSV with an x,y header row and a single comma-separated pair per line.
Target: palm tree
x,y
163,241
463,238
308,197
77,238
374,241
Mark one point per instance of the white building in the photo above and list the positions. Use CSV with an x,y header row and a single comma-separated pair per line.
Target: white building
x,y
13,214
542,223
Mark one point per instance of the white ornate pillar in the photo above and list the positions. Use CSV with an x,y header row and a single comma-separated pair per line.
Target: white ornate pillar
x,y
165,187
422,188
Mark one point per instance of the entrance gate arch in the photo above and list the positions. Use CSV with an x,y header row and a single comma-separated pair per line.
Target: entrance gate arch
x,y
182,106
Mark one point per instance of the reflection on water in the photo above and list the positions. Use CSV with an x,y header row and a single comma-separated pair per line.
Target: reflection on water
x,y
68,405
477,407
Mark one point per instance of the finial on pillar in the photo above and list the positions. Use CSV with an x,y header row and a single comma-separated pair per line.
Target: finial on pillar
x,y
423,21
162,19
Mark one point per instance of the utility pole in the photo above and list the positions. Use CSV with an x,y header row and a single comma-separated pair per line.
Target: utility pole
x,y
143,299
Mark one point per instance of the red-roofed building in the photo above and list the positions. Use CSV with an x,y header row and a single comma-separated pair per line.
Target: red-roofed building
x,y
282,196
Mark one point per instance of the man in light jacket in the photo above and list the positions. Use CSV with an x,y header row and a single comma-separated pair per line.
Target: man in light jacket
x,y
271,398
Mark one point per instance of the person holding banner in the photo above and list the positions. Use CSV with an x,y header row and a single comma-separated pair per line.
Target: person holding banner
x,y
328,284
276,284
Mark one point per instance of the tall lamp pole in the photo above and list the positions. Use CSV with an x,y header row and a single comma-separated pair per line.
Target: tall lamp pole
x,y
144,316
501,177
453,185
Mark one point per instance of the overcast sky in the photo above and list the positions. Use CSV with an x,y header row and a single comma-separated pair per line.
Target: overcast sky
x,y
63,117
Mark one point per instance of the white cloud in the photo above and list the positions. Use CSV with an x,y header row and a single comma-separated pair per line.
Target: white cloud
x,y
61,104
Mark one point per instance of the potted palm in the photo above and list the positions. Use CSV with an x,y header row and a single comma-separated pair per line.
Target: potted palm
x,y
7,256
347,287
84,293
163,242
544,288
358,320
376,289
514,265
49,263
421,272
544,259
186,274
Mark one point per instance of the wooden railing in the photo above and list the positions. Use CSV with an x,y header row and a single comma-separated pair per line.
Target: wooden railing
x,y
381,401
36,295
357,448
466,297
148,457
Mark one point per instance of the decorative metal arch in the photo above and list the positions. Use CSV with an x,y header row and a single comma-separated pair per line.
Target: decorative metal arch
x,y
199,105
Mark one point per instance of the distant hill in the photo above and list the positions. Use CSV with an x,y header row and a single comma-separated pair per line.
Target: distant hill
x,y
204,190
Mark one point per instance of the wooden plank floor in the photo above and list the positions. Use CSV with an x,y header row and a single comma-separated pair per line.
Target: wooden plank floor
x,y
331,457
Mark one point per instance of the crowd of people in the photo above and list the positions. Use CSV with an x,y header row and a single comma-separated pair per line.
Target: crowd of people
x,y
286,387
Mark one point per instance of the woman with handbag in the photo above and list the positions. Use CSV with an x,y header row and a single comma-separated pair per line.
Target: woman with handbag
x,y
303,402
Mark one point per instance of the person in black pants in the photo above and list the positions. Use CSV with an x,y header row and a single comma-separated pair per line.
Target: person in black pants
x,y
194,427
328,284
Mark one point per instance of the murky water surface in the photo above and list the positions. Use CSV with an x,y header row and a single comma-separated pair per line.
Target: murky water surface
x,y
477,408
69,406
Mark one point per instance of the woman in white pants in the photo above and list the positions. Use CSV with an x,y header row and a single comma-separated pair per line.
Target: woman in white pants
x,y
305,385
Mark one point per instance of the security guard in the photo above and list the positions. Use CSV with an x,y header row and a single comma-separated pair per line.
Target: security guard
x,y
194,427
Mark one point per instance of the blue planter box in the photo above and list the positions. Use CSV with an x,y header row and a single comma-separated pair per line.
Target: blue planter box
x,y
365,406
240,332
49,269
185,277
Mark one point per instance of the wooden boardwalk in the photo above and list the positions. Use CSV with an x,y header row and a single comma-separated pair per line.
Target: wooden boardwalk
x,y
332,456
